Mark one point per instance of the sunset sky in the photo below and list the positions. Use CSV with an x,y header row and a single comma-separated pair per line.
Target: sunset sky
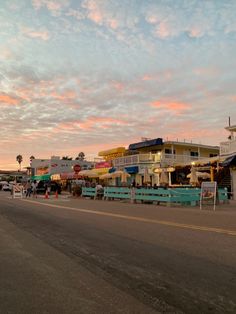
x,y
89,75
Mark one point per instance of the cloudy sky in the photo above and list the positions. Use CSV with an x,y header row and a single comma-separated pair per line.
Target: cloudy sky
x,y
89,75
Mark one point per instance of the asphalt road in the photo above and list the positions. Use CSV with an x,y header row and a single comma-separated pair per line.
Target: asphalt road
x,y
86,256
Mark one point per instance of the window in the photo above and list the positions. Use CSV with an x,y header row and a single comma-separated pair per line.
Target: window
x,y
169,151
194,154
213,155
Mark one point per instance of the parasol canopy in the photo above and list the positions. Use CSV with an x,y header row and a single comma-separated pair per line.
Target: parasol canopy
x,y
89,173
203,175
146,177
164,177
193,176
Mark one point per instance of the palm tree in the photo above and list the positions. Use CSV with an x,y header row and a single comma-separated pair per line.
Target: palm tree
x,y
19,159
80,156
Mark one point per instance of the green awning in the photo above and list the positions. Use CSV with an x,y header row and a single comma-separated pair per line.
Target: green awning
x,y
42,177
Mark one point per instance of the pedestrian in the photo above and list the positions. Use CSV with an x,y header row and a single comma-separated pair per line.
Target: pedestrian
x,y
34,188
28,189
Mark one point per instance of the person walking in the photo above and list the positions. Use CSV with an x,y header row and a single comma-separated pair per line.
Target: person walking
x,y
34,188
28,189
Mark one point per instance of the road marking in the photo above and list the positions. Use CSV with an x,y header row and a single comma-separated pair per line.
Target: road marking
x,y
140,219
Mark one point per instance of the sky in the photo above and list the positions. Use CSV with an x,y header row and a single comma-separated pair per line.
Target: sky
x,y
90,75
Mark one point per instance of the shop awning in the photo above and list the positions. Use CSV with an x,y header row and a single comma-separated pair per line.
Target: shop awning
x,y
69,176
45,177
132,170
229,161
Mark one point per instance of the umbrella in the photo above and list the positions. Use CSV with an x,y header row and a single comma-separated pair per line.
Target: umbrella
x,y
105,176
124,176
89,173
203,175
164,177
116,174
146,177
193,176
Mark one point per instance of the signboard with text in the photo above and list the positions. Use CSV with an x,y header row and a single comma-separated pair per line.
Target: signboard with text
x,y
208,194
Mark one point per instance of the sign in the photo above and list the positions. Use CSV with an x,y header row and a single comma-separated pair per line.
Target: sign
x,y
17,191
103,164
208,194
77,168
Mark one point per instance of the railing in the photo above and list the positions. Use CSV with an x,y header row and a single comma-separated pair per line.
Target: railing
x,y
165,159
227,147
183,196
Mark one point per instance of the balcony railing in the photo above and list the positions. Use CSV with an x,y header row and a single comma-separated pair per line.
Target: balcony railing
x,y
228,147
164,159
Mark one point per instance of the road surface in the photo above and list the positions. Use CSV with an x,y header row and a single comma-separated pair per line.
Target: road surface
x,y
85,256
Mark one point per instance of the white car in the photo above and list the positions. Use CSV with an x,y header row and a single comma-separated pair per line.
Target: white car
x,y
7,187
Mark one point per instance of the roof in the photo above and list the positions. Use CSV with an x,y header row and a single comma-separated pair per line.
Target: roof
x,y
229,161
231,128
192,144
148,143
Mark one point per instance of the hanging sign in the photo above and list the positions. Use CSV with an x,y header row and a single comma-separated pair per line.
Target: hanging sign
x,y
209,194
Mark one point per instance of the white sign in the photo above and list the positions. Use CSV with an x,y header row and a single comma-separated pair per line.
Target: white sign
x,y
17,191
208,194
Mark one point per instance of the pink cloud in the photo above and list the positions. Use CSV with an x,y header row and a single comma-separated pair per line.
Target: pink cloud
x,y
93,122
196,32
118,85
99,15
163,30
175,107
54,6
41,34
67,95
147,77
6,99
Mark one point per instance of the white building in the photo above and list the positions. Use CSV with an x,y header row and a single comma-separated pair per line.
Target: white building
x,y
228,151
55,165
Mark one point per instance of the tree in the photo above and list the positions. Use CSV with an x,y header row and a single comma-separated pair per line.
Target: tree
x,y
80,156
66,158
19,159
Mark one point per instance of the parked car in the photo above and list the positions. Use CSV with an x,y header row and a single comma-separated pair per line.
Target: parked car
x,y
7,187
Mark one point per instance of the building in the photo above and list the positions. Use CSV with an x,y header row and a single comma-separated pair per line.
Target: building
x,y
153,156
228,152
42,169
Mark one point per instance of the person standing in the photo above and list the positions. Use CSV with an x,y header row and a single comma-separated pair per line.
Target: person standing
x,y
34,188
28,189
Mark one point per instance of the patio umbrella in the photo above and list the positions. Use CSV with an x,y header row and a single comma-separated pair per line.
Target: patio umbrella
x,y
146,177
124,176
203,175
89,173
164,177
116,174
193,176
105,176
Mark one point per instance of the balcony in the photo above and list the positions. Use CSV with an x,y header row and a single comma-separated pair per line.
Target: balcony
x,y
227,148
164,159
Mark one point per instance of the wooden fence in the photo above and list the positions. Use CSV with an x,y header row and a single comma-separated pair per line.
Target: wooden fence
x,y
184,196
